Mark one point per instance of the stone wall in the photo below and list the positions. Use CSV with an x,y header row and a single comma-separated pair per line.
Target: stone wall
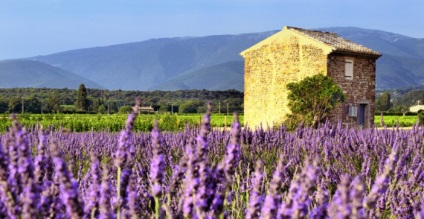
x,y
267,71
359,90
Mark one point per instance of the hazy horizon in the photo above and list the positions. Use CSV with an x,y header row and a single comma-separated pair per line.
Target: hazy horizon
x,y
41,27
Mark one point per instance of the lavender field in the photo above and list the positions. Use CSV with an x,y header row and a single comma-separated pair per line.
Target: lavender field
x,y
329,172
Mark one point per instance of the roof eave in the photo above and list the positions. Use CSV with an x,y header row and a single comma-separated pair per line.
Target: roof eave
x,y
357,54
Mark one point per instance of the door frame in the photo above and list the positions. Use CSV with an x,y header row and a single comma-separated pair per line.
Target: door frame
x,y
366,114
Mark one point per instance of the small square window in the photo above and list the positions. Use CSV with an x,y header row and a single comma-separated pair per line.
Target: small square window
x,y
349,69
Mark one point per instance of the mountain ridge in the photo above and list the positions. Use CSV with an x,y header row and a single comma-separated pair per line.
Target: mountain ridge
x,y
26,73
161,62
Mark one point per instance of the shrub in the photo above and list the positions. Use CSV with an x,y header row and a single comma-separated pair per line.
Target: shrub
x,y
312,98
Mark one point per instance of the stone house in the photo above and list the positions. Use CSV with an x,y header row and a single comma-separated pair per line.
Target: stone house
x,y
293,54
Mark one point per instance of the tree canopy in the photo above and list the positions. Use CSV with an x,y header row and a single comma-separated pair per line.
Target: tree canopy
x,y
312,98
382,102
82,102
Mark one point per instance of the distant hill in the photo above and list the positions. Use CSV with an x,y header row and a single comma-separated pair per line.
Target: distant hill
x,y
216,77
25,73
209,62
148,64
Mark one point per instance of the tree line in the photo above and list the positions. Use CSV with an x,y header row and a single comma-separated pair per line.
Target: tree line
x,y
398,101
85,100
46,100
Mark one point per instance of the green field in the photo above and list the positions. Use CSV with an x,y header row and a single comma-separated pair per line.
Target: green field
x,y
391,121
112,123
167,122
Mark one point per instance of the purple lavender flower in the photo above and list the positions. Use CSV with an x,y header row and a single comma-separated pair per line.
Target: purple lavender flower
x,y
28,200
322,198
196,158
188,201
298,200
256,197
40,161
4,161
206,191
69,187
124,153
273,197
191,182
177,177
124,181
132,198
218,195
233,150
8,199
105,195
420,214
157,163
356,197
340,206
92,204
25,166
123,158
202,141
380,185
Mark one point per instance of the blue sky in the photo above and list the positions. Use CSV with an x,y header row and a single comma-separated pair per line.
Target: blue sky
x,y
40,27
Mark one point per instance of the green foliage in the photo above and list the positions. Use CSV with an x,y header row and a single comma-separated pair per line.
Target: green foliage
x,y
125,109
32,104
67,108
192,106
101,109
113,123
408,97
382,102
15,105
313,98
421,117
3,106
399,109
82,102
52,99
394,120
53,103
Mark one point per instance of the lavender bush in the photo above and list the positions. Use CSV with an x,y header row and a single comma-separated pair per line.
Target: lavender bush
x,y
328,172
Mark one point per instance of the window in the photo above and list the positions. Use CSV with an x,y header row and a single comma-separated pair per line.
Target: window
x,y
353,111
349,69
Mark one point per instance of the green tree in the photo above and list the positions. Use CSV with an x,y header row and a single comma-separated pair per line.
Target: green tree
x,y
101,109
125,109
82,102
232,105
53,102
15,105
382,102
32,105
96,104
3,106
421,117
312,98
112,107
192,106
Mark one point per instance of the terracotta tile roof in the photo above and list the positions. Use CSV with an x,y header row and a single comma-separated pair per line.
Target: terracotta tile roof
x,y
340,44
